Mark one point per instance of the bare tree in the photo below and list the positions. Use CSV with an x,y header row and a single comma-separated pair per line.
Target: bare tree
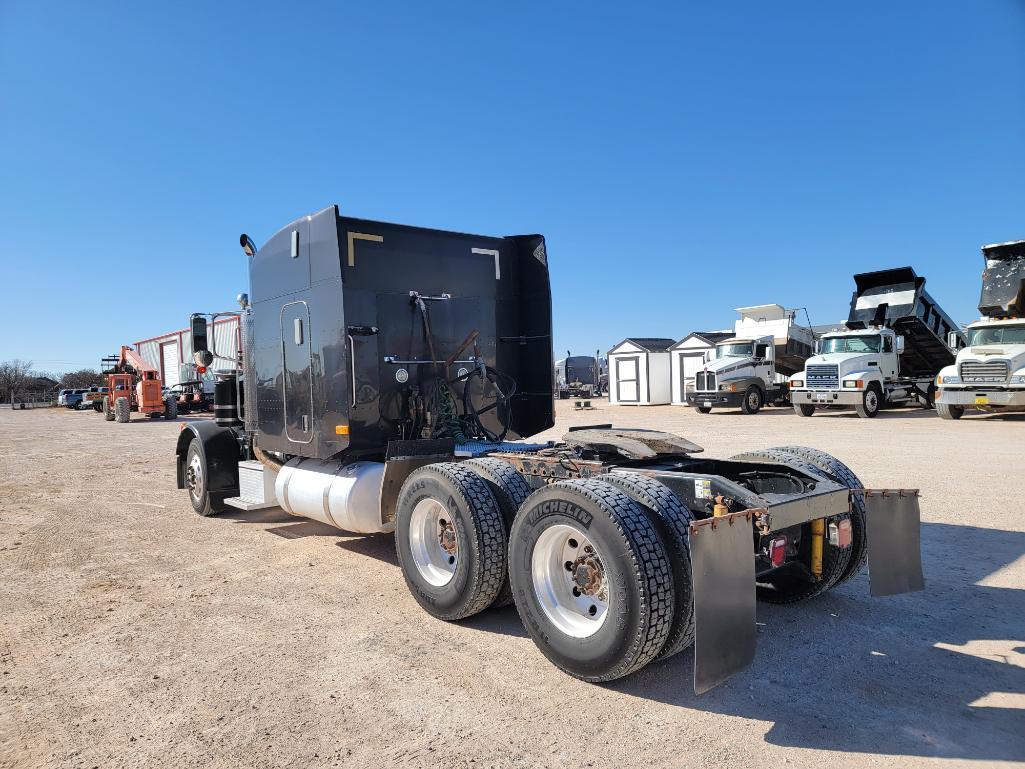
x,y
81,379
13,374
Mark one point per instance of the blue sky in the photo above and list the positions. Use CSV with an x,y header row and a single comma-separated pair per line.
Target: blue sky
x,y
681,161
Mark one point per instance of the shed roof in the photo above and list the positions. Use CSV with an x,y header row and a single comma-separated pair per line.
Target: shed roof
x,y
711,337
649,344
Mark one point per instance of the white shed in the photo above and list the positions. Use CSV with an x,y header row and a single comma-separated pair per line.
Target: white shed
x,y
639,372
170,352
687,356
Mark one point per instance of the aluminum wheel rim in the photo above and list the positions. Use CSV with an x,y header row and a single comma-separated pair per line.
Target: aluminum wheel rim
x,y
752,400
433,542
194,478
557,587
871,401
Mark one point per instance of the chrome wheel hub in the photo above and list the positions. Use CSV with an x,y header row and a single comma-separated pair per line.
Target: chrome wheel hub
x,y
433,542
569,580
194,478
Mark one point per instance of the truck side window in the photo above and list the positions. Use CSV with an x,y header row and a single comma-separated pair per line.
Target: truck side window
x,y
760,350
887,344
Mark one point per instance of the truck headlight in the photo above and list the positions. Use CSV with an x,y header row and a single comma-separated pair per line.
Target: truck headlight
x,y
853,384
949,379
728,387
1018,379
797,383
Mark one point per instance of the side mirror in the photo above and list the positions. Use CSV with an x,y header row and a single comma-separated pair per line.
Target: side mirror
x,y
953,340
816,346
900,345
200,349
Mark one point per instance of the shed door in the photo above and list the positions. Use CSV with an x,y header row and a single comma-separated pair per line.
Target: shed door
x,y
690,364
628,380
169,364
298,378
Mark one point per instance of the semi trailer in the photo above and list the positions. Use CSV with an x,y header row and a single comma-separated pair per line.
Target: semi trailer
x,y
753,367
989,373
895,342
391,380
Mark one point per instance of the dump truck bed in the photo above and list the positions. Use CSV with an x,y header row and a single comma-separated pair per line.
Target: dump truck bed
x,y
1003,281
897,299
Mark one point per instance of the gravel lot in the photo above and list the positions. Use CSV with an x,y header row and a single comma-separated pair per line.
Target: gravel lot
x,y
136,634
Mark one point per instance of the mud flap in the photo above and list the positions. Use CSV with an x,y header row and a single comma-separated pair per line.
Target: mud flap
x,y
894,542
723,565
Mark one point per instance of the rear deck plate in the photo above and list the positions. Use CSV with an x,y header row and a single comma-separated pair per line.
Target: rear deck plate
x,y
894,543
724,599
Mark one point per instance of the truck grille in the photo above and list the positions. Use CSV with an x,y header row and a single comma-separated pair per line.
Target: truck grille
x,y
821,377
993,371
704,380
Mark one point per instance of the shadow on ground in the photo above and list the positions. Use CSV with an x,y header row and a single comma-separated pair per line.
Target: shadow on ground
x,y
919,675
937,673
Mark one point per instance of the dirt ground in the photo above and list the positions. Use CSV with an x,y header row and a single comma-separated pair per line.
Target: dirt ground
x,y
136,634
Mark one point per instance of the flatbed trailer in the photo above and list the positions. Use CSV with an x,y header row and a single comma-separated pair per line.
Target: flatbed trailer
x,y
393,379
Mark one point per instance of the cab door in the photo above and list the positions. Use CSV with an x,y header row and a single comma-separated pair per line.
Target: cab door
x,y
297,374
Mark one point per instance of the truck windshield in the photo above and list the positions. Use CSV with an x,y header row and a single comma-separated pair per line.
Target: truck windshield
x,y
744,350
850,344
997,335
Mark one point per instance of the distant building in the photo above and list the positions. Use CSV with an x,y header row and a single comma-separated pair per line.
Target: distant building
x,y
639,372
171,353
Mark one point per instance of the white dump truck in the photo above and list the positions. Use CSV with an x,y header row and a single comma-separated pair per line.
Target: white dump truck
x,y
895,342
989,374
752,368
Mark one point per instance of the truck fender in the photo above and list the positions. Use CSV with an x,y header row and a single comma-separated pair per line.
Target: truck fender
x,y
222,450
948,371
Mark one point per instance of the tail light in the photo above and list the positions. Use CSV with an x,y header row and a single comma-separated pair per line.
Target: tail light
x,y
778,551
840,533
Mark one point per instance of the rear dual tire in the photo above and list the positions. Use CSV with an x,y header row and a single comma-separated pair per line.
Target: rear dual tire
x,y
510,491
450,540
622,617
605,617
838,565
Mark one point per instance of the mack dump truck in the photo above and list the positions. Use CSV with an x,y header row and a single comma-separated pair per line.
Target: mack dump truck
x,y
752,368
895,342
989,374
391,378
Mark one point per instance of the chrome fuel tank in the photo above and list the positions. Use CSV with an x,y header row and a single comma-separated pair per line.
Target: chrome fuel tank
x,y
347,497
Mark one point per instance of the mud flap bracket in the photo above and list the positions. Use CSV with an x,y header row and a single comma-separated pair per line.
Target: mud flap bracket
x,y
894,520
724,597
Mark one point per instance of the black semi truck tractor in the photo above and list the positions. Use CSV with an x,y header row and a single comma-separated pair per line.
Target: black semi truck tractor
x,y
390,380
